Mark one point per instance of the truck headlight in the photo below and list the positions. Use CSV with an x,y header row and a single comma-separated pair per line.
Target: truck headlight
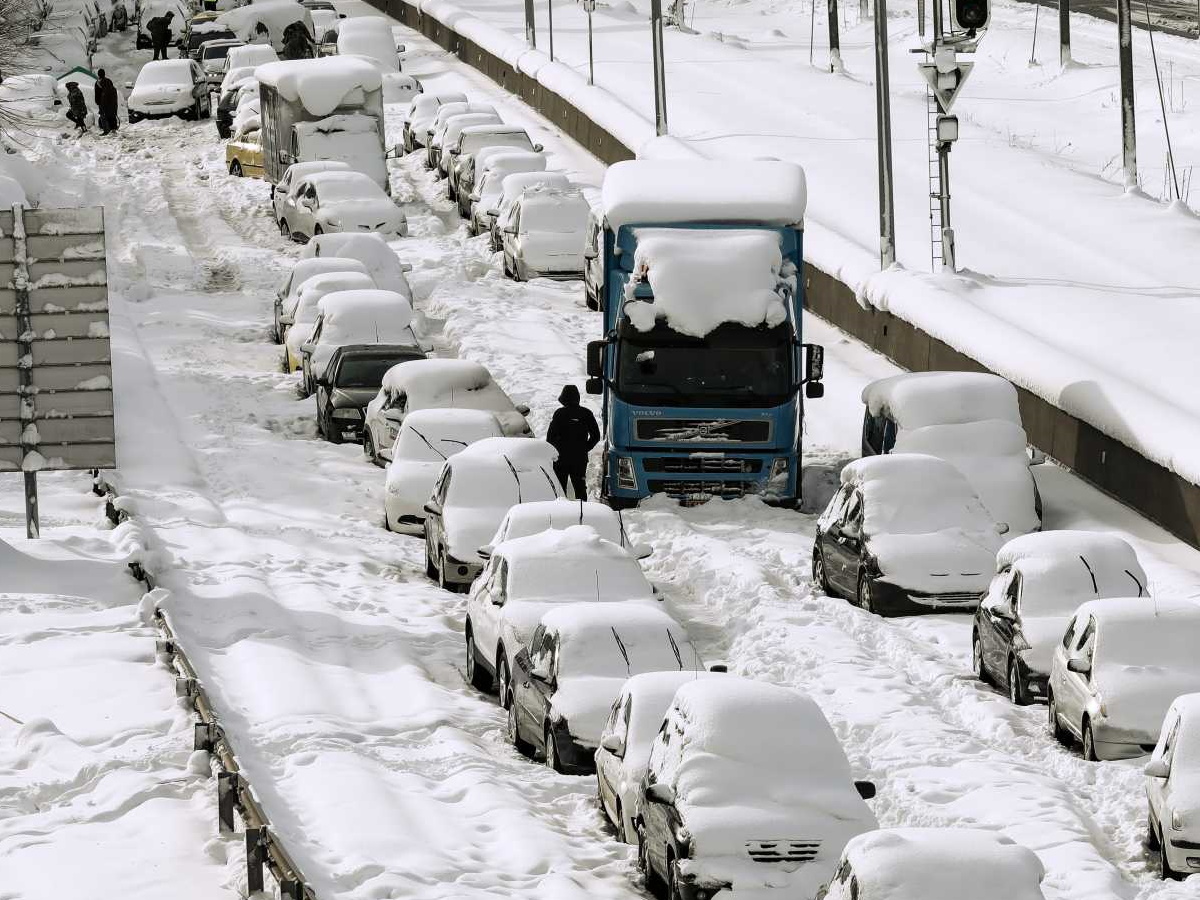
x,y
778,479
626,477
349,414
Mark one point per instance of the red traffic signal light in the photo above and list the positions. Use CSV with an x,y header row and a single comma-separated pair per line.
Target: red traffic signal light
x,y
971,14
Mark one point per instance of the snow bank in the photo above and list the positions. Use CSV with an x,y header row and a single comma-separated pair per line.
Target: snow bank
x,y
917,399
703,279
320,85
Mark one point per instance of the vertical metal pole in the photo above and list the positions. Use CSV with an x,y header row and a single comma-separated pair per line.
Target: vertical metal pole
x,y
835,44
948,262
1125,60
864,9
530,24
28,412
33,527
227,790
590,5
550,25
937,22
255,838
1064,32
660,68
883,122
1037,8
921,19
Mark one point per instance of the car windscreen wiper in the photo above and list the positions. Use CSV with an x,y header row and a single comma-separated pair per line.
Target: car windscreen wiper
x,y
428,444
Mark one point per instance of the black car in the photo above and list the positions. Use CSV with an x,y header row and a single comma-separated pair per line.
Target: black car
x,y
226,106
351,381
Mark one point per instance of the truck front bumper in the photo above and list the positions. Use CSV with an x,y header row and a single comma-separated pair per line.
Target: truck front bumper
x,y
697,476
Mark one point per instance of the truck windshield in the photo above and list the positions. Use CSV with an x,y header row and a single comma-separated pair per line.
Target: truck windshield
x,y
735,365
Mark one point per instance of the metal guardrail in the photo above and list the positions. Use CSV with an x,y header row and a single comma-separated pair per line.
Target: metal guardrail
x,y
235,795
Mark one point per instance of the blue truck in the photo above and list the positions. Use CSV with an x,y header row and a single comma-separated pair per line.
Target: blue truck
x,y
702,366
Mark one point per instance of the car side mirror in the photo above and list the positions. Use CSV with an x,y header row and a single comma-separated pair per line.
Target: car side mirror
x,y
594,386
641,551
394,414
1079,665
129,85
486,551
433,508
538,148
852,531
614,744
660,793
1157,768
307,347
720,666
511,229
522,409
454,151
866,789
473,196
1036,456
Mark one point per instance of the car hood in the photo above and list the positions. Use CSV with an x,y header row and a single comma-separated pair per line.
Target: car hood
x,y
942,562
1136,698
585,702
356,397
152,92
469,528
411,483
360,212
1043,634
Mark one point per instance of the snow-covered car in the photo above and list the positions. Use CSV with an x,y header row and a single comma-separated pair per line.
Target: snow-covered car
x,y
905,533
936,864
169,87
12,194
1117,670
746,788
351,379
365,316
1041,579
243,157
212,55
969,419
304,311
201,30
29,94
247,115
593,266
427,439
293,177
511,189
436,383
276,16
473,492
1173,790
421,112
634,720
544,234
372,250
436,129
566,677
371,38
461,169
400,88
339,202
233,83
288,292
533,518
250,55
446,139
529,575
492,171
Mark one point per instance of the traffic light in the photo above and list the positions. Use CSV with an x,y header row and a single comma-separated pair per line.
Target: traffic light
x,y
971,14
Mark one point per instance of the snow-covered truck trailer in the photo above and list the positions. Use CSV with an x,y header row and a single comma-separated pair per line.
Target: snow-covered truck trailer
x,y
318,109
702,363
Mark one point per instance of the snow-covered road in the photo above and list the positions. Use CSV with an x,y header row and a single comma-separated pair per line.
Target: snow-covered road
x,y
336,666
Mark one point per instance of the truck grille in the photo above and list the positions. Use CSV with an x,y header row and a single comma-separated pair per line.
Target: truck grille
x,y
700,490
701,464
783,851
704,431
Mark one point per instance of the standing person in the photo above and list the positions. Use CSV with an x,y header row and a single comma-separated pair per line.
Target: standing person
x,y
160,34
106,103
573,433
297,42
78,106
120,17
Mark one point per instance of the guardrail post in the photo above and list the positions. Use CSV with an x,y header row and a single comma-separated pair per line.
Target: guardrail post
x,y
228,784
291,889
256,843
204,736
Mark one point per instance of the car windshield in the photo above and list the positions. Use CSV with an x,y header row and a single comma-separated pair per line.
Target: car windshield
x,y
622,652
196,38
430,445
566,216
1168,641
733,365
496,486
473,142
220,51
176,73
349,189
574,578
364,371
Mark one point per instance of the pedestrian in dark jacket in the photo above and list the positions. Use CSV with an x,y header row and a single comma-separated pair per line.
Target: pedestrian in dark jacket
x,y
77,111
106,103
159,29
573,433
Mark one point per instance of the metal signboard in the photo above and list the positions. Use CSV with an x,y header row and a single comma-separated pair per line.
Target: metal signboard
x,y
56,399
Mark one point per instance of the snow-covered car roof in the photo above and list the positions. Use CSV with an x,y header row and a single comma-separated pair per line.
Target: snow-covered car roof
x,y
252,55
446,429
301,170
348,315
533,518
368,23
573,563
1061,569
911,493
316,287
304,269
376,45
574,542
431,382
425,106
918,399
455,125
482,479
238,76
513,159
493,128
371,249
447,109
592,636
647,192
523,453
936,863
1169,613
274,15
339,185
705,278
518,183
320,85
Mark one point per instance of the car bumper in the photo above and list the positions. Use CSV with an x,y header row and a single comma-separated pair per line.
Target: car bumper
x,y
1034,685
159,112
1112,742
349,429
891,598
574,756
458,572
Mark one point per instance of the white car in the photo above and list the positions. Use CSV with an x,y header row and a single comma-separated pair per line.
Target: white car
x,y
427,439
371,38
212,58
372,250
747,785
461,167
435,135
326,24
355,317
250,55
170,87
936,864
447,139
1173,790
1119,666
511,189
544,234
473,492
1041,579
525,519
430,384
300,317
289,288
527,576
574,665
295,174
971,420
489,189
421,113
339,202
634,720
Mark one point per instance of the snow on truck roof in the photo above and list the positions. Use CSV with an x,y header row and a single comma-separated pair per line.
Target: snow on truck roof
x,y
320,85
704,278
918,399
646,192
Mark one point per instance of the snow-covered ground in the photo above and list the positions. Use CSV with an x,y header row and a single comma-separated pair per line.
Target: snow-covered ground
x,y
337,667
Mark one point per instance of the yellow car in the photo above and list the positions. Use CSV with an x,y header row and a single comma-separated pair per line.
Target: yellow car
x,y
244,157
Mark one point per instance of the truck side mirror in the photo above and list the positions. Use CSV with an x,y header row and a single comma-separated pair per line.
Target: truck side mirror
x,y
814,390
594,386
595,358
814,362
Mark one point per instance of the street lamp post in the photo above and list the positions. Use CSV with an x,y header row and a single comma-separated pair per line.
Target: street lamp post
x,y
589,7
550,26
883,124
660,68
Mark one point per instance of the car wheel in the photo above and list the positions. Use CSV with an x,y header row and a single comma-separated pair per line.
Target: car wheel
x,y
369,446
551,749
475,672
653,884
318,230
235,169
514,730
866,599
1089,743
333,434
284,230
977,662
503,690
1152,840
430,569
196,112
1016,693
818,571
1056,729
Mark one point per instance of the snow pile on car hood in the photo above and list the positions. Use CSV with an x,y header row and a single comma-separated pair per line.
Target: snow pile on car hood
x,y
703,279
1062,569
572,563
534,518
936,863
320,85
368,315
371,249
917,399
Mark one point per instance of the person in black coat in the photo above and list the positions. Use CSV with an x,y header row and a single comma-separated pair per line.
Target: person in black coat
x,y
77,111
573,433
159,29
106,103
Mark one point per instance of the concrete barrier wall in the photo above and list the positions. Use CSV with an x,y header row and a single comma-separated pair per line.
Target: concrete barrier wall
x,y
1120,471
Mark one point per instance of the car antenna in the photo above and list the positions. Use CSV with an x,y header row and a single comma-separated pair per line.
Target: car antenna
x,y
1135,581
580,510
621,647
675,649
516,477
1095,587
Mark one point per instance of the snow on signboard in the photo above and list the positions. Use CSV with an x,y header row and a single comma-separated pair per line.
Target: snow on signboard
x,y
320,85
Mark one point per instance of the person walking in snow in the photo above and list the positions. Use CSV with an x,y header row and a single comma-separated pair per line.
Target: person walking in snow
x,y
573,433
120,17
106,103
77,112
159,29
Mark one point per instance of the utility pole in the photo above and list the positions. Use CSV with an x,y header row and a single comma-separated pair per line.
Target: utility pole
x,y
1064,32
550,26
1125,60
530,25
883,126
835,45
660,68
589,7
